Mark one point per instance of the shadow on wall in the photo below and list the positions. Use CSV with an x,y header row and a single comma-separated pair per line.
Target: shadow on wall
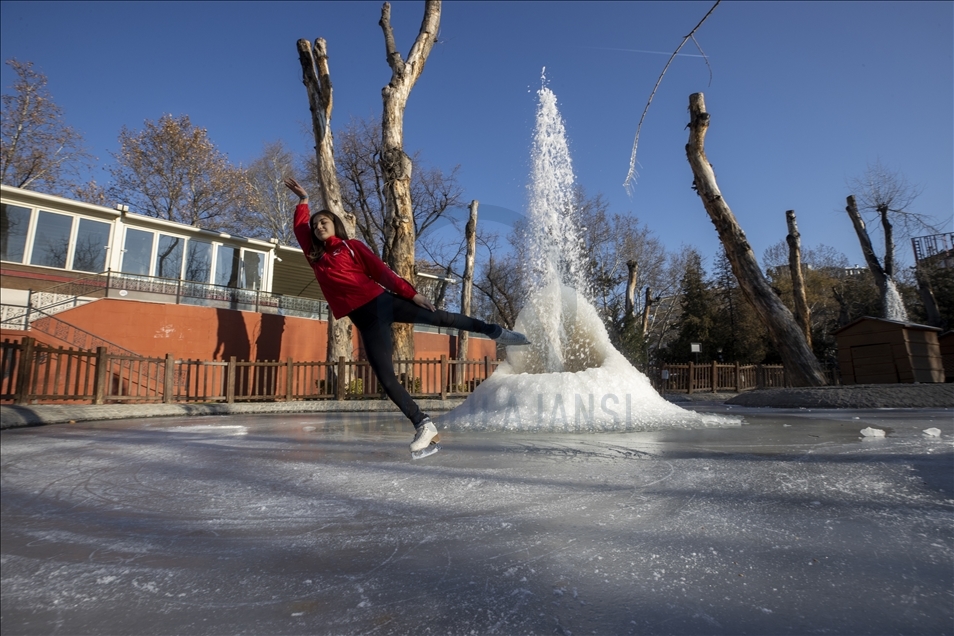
x,y
231,336
268,344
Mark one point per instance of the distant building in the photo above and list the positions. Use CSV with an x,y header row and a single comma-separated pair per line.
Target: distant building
x,y
59,255
934,250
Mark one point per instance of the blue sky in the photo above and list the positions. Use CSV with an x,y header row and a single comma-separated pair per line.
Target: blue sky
x,y
803,95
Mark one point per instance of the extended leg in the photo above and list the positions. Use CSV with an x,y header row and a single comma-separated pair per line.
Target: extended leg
x,y
375,330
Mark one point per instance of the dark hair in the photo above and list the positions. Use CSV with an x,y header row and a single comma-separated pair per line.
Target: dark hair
x,y
318,247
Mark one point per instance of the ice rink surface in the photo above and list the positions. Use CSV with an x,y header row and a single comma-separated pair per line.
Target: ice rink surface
x,y
792,523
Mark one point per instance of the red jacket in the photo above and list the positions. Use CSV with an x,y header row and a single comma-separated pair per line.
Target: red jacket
x,y
349,273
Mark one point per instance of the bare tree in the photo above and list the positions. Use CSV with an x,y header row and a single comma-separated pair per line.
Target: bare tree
x,y
800,363
802,312
316,76
269,205
395,163
501,289
171,170
613,241
885,196
467,287
360,172
38,151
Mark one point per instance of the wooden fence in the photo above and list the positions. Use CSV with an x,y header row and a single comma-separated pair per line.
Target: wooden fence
x,y
714,377
34,373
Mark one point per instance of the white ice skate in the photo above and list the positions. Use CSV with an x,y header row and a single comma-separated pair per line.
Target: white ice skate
x,y
425,440
511,338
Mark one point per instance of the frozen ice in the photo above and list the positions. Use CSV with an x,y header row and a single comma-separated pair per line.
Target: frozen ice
x,y
570,378
209,532
872,432
894,306
598,390
932,432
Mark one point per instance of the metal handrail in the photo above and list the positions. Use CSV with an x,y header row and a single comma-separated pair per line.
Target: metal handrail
x,y
80,337
181,289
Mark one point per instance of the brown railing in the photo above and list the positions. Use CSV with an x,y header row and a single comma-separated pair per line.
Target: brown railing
x,y
34,373
715,377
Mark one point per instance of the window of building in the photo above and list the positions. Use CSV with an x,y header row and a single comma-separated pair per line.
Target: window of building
x,y
89,252
137,252
52,239
253,269
169,256
198,261
14,223
227,266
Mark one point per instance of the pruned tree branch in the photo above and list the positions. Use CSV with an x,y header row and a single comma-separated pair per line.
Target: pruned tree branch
x,y
631,175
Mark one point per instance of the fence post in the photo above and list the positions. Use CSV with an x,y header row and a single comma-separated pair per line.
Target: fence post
x,y
738,377
759,377
289,381
230,381
99,384
25,370
168,384
486,367
715,376
443,377
340,388
692,378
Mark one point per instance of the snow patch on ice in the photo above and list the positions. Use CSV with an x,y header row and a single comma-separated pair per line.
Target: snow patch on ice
x,y
932,432
872,432
223,429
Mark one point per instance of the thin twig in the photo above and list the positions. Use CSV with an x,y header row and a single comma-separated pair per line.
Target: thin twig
x,y
631,175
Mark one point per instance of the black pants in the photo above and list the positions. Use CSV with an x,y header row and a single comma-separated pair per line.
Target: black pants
x,y
374,319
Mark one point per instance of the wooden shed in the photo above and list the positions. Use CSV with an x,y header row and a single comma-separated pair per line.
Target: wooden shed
x,y
946,341
878,351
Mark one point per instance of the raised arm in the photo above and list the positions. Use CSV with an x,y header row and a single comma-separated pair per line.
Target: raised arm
x,y
301,224
296,188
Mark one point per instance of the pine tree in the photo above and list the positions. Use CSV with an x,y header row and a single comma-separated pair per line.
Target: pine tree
x,y
698,303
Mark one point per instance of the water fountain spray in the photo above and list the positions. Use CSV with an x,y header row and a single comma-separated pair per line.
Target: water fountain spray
x,y
571,378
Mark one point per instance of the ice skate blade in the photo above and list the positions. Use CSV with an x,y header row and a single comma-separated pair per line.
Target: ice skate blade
x,y
426,452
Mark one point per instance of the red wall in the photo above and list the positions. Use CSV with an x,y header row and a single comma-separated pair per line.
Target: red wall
x,y
206,333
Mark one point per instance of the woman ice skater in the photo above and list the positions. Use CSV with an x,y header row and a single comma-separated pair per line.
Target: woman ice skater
x,y
358,284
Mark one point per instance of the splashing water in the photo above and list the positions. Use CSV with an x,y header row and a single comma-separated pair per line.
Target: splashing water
x,y
555,248
893,305
571,378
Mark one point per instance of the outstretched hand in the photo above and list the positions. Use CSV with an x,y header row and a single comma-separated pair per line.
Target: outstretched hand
x,y
421,301
295,187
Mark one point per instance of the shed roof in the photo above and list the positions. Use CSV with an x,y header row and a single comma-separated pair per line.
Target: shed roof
x,y
899,323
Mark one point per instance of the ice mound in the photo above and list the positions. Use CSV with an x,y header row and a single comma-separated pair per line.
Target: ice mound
x,y
597,390
571,378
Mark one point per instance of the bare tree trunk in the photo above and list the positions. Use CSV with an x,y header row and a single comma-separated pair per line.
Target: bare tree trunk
x,y
927,296
467,288
888,241
874,265
800,363
802,313
882,275
395,164
316,77
646,305
633,267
